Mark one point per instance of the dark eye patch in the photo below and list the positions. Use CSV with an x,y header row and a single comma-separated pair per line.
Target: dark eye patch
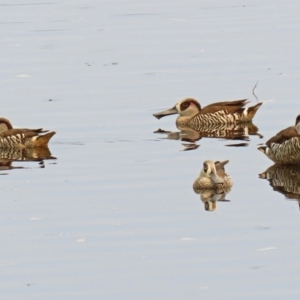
x,y
184,105
298,119
205,167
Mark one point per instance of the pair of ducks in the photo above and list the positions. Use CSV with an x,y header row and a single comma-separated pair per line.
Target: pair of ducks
x,y
283,148
22,138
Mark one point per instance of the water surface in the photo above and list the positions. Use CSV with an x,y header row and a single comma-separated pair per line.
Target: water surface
x,y
115,215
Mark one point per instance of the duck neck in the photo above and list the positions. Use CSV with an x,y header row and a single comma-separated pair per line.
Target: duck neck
x,y
183,120
297,127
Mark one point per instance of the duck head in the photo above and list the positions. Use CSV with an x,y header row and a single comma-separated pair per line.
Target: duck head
x,y
297,124
187,107
209,170
5,125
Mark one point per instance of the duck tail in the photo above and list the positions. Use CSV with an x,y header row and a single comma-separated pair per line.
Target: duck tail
x,y
263,149
42,140
252,110
220,165
223,163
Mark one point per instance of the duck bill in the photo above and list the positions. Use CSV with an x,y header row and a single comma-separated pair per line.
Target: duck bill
x,y
171,111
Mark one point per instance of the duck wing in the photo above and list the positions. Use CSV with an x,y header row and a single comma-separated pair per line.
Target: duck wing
x,y
230,106
28,132
283,136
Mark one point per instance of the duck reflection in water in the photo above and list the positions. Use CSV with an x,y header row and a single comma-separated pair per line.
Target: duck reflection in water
x,y
236,132
210,198
213,183
284,179
8,156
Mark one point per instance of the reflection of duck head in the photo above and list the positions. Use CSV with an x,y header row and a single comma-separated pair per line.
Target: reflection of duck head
x,y
284,147
284,179
5,165
22,138
192,115
213,176
210,198
207,198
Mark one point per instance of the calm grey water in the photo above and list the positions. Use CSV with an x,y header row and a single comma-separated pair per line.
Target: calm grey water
x,y
115,216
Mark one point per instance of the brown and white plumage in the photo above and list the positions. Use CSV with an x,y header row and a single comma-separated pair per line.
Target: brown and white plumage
x,y
213,177
227,112
21,138
284,147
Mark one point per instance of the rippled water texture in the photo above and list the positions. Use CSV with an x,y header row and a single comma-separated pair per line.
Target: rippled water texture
x,y
114,216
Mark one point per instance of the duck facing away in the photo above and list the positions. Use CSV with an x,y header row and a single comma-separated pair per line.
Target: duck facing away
x,y
22,138
284,147
213,177
192,115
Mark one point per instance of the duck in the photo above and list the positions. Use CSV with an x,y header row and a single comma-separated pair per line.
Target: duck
x,y
213,177
284,147
227,112
22,138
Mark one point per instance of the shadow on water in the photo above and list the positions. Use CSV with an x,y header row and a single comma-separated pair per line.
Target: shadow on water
x,y
236,132
284,179
8,156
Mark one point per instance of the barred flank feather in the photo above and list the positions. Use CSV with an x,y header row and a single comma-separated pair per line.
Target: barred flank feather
x,y
287,153
13,141
211,119
25,140
207,183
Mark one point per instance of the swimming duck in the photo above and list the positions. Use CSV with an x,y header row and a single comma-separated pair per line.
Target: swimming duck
x,y
213,176
284,147
22,138
192,115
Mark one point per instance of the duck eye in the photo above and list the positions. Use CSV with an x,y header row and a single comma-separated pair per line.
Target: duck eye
x,y
205,167
184,105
